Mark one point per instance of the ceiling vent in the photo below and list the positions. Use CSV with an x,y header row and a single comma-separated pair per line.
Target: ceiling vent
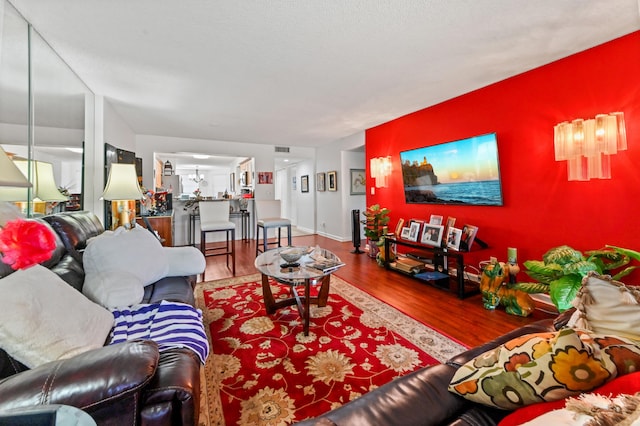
x,y
282,149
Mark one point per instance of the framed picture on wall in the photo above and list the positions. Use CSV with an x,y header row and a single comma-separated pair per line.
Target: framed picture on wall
x,y
304,183
358,182
320,182
332,178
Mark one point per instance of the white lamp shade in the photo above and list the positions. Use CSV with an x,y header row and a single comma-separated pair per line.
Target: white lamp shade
x,y
44,185
17,194
10,175
47,190
122,183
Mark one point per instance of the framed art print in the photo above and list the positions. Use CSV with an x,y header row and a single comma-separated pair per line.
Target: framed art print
x,y
304,183
435,219
432,234
332,181
320,182
414,231
454,235
406,233
358,182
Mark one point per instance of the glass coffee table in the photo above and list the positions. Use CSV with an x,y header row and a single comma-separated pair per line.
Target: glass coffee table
x,y
301,273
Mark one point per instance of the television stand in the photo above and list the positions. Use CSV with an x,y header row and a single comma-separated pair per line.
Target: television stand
x,y
440,259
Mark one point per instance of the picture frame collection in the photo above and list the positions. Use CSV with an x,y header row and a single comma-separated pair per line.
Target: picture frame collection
x,y
438,233
325,181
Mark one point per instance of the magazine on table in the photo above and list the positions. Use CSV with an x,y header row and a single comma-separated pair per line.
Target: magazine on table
x,y
325,265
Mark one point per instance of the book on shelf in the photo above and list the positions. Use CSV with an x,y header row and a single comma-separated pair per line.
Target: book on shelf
x,y
405,264
325,265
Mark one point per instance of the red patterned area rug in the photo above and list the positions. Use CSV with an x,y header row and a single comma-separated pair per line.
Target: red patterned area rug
x,y
263,370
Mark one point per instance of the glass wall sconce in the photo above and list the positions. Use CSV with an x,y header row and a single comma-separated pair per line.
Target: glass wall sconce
x,y
380,169
587,145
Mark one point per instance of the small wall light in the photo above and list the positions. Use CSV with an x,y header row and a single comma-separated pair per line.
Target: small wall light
x,y
380,169
168,168
588,144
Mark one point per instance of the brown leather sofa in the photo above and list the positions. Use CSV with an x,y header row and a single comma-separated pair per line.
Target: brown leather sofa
x,y
422,398
130,383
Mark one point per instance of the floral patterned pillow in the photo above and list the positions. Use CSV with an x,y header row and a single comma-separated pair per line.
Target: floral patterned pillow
x,y
544,367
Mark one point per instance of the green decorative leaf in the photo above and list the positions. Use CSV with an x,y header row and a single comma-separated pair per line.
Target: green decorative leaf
x,y
631,253
581,268
562,255
564,290
624,272
531,288
542,272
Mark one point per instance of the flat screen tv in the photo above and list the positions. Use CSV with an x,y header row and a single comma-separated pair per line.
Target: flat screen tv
x,y
463,172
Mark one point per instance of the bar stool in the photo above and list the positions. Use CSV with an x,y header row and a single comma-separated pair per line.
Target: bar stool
x,y
267,217
214,217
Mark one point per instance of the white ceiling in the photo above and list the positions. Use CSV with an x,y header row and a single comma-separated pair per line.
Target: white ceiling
x,y
307,72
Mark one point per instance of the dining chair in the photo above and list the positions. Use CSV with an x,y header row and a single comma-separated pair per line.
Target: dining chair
x,y
214,217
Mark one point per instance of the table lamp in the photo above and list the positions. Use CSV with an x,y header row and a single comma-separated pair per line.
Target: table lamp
x,y
10,175
122,188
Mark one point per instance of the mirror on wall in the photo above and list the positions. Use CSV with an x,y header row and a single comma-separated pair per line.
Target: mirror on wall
x,y
42,112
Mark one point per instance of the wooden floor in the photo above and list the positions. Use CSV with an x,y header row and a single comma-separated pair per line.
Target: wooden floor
x,y
465,320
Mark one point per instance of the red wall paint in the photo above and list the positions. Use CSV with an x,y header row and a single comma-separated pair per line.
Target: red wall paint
x,y
541,208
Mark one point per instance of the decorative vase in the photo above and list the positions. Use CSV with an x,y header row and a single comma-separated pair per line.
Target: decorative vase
x,y
373,249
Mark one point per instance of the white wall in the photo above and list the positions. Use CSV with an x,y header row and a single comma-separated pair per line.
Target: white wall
x,y
117,132
334,208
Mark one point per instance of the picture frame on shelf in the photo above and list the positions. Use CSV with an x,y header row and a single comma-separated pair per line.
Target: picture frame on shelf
x,y
432,234
358,182
304,183
435,219
332,181
320,182
469,233
451,222
454,235
399,227
414,231
406,233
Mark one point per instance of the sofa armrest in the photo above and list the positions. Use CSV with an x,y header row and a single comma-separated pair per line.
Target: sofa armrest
x,y
108,379
184,261
173,395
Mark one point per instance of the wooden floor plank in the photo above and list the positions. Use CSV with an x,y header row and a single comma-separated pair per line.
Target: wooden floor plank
x,y
465,320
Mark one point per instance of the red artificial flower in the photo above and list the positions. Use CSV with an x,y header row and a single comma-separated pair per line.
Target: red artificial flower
x,y
24,243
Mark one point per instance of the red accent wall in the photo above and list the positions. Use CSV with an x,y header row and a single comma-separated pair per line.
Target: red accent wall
x,y
541,208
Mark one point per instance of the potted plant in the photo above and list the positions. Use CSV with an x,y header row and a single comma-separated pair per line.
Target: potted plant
x,y
562,269
375,227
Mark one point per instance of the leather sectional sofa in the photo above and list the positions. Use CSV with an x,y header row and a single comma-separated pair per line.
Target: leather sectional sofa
x,y
130,383
422,398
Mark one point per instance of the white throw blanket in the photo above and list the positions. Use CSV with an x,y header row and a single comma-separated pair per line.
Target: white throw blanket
x,y
169,324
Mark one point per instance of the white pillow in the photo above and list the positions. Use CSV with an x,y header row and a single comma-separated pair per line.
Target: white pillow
x,y
136,251
608,307
184,261
113,289
43,319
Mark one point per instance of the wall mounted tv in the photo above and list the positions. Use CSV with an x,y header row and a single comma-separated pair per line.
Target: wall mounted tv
x,y
464,172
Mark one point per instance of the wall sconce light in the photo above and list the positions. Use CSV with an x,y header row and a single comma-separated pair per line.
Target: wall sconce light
x,y
380,169
122,188
168,168
588,144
